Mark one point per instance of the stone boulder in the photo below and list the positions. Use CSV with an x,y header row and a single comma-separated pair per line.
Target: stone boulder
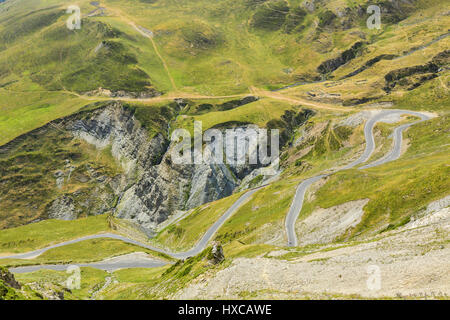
x,y
216,255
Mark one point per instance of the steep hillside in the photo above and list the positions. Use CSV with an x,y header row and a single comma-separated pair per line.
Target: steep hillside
x,y
87,168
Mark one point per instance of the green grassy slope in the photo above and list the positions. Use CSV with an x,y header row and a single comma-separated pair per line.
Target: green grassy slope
x,y
209,48
48,232
29,167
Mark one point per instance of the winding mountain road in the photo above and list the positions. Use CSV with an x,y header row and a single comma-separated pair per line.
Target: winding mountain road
x,y
291,218
394,154
148,263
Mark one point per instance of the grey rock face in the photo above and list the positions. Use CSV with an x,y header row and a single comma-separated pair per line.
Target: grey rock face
x,y
59,175
8,278
152,187
210,182
168,187
134,176
216,255
145,185
62,208
116,126
309,5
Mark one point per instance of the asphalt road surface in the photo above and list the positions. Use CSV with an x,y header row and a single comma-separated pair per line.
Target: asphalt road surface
x,y
106,265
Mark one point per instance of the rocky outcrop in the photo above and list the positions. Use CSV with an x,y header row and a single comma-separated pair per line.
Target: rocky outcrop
x,y
152,187
117,127
216,255
309,5
62,208
398,74
49,290
166,188
333,64
413,77
8,278
10,289
136,177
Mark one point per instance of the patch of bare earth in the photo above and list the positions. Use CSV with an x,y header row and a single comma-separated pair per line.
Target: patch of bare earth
x,y
326,225
413,261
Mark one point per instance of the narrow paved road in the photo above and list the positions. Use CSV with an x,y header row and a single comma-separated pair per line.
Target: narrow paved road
x,y
102,265
397,135
200,246
394,154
